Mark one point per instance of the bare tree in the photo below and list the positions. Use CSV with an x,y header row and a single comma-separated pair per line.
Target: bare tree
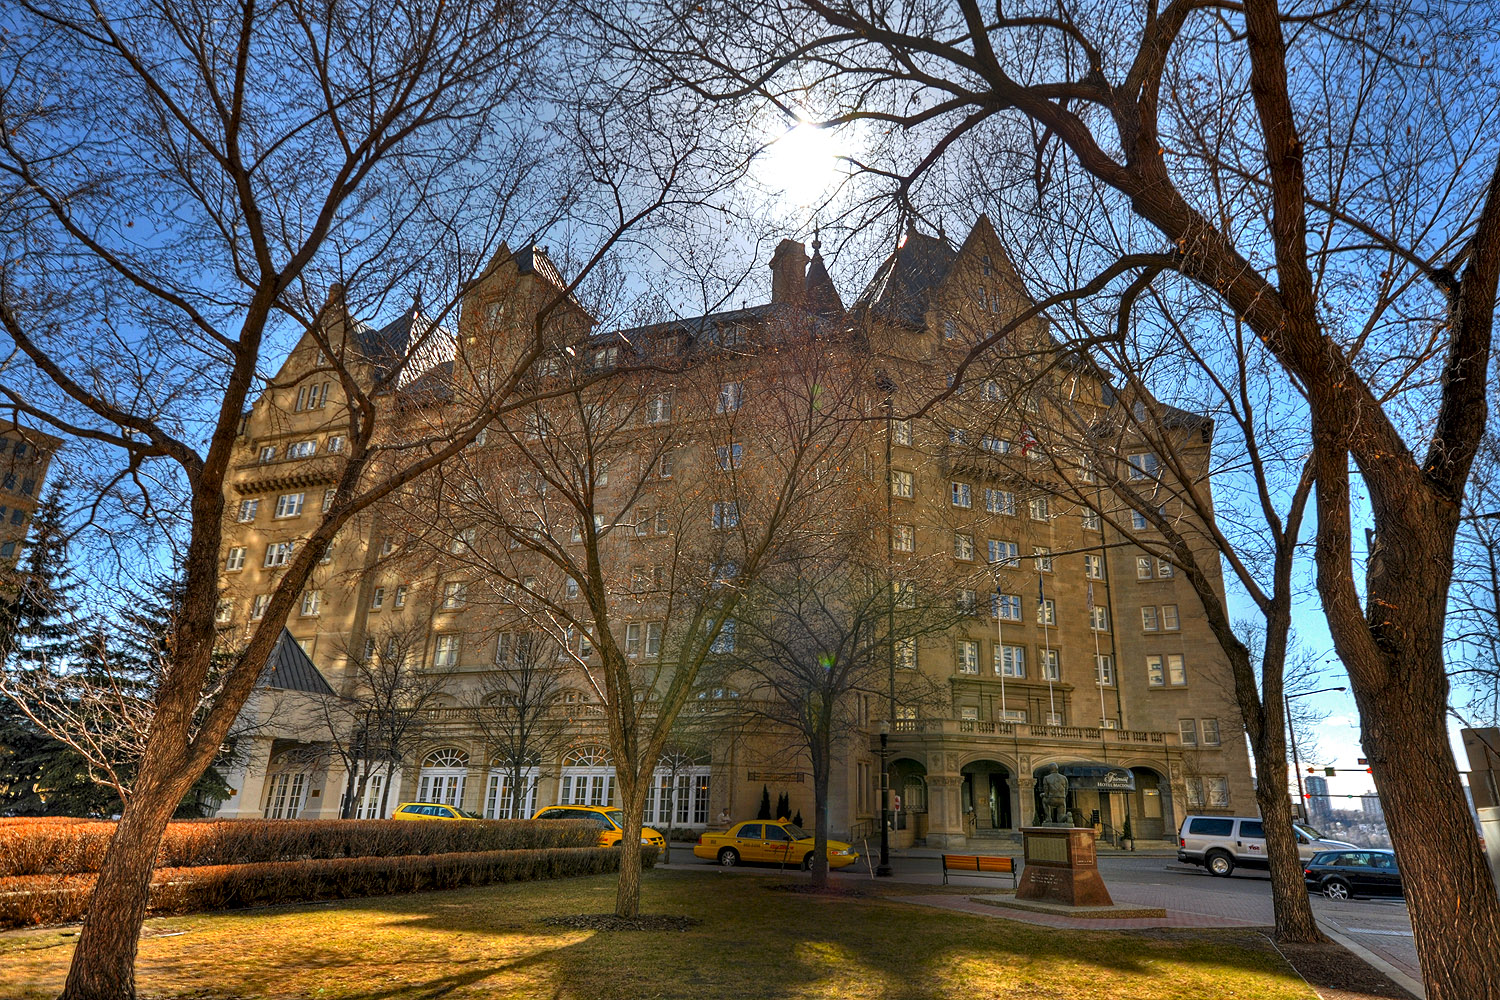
x,y
1474,616
1375,296
818,633
181,185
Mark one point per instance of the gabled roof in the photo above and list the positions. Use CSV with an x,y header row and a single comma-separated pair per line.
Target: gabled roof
x,y
289,669
412,334
903,286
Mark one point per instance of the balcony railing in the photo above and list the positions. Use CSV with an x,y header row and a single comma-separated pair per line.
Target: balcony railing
x,y
1021,730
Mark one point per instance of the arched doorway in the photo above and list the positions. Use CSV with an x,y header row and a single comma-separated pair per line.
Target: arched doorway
x,y
985,798
587,778
444,773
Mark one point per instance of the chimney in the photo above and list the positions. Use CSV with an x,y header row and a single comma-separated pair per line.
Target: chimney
x,y
788,272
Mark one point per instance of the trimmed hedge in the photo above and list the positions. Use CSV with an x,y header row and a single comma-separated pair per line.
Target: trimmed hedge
x,y
40,899
71,847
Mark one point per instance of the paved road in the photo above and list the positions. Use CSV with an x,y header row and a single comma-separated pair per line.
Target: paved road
x,y
1382,927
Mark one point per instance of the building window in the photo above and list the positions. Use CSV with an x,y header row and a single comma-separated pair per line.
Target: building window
x,y
962,494
1093,567
1042,556
236,560
1218,791
377,598
443,776
399,600
327,556
901,432
663,522
1040,509
454,595
957,435
969,713
1143,466
726,515
659,408
1138,521
903,594
289,504
963,546
1012,715
1010,661
730,456
312,602
906,654
570,587
653,638
302,449
968,602
999,502
1156,672
1005,554
994,445
279,553
446,652
901,484
666,465
1099,619
248,510
225,612
258,606
990,391
950,330
462,542
968,656
1143,568
1211,732
633,639
724,641
1176,671
1006,607
904,538
1104,670
312,397
1169,621
328,496
1046,612
1163,569
1051,665
1189,730
1194,787
268,453
336,443
731,396
1148,619
1090,520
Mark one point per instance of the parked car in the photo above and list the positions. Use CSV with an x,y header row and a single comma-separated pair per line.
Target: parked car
x,y
430,810
770,842
610,823
1223,843
1348,874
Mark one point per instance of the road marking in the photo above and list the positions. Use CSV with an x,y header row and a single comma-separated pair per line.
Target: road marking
x,y
1367,930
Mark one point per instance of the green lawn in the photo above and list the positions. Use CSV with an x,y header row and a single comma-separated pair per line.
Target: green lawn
x,y
487,942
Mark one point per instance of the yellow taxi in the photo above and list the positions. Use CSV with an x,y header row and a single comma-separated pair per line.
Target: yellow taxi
x,y
609,822
777,842
430,810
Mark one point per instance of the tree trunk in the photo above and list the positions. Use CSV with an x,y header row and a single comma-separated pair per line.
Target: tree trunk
x,y
628,889
103,966
821,756
1290,902
1449,887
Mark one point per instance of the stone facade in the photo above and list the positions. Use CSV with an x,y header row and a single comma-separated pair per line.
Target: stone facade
x,y
1077,652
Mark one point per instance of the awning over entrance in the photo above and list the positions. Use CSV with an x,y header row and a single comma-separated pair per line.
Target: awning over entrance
x,y
1102,777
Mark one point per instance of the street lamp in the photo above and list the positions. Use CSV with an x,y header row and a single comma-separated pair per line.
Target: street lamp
x,y
884,868
1286,702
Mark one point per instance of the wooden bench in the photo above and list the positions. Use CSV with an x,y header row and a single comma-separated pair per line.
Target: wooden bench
x,y
978,864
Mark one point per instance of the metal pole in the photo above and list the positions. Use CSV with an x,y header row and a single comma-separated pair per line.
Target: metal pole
x,y
884,869
1286,703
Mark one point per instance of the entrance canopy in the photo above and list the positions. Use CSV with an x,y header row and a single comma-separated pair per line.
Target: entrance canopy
x,y
1100,777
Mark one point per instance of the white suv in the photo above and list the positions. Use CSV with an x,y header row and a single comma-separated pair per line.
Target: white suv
x,y
1223,843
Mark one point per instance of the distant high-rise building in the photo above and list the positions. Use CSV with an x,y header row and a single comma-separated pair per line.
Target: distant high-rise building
x,y
1371,805
1319,810
24,458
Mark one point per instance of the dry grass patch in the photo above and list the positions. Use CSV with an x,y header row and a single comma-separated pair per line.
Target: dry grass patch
x,y
489,942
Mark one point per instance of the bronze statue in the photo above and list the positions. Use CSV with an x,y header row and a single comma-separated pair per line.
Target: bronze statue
x,y
1055,797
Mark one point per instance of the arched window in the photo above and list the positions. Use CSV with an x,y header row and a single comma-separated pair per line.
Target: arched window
x,y
588,777
499,799
443,775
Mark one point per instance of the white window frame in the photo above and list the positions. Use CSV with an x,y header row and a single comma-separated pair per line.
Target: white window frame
x,y
902,484
966,656
961,495
235,560
289,505
1010,661
445,649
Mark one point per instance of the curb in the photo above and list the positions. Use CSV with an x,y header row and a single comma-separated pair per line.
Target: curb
x,y
1367,956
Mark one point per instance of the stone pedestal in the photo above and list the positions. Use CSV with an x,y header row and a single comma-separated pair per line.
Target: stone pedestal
x,y
1061,867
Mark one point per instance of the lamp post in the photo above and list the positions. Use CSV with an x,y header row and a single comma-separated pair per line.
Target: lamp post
x,y
1286,702
884,868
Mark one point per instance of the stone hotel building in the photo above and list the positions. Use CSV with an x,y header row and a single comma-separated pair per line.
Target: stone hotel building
x,y
1079,648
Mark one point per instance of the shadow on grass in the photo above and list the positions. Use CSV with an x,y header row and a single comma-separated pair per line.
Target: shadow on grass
x,y
757,943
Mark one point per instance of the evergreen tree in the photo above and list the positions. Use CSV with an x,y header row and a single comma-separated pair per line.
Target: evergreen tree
x,y
783,806
765,803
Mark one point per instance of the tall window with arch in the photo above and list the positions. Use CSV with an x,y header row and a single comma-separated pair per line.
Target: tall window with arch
x,y
587,778
443,776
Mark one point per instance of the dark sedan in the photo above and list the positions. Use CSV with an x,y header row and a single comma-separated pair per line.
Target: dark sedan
x,y
1347,874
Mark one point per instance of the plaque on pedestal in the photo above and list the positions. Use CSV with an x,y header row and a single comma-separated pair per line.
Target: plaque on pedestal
x,y
1061,867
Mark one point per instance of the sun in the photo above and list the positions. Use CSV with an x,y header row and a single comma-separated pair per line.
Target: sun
x,y
801,165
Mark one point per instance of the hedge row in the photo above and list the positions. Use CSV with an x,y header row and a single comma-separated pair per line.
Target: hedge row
x,y
45,847
38,899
